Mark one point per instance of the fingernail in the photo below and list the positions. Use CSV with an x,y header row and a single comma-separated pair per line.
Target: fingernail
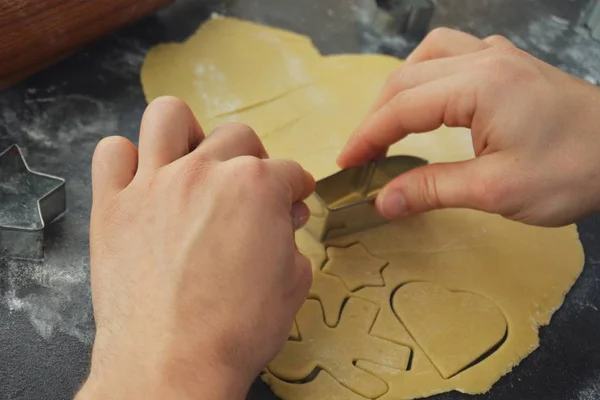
x,y
392,204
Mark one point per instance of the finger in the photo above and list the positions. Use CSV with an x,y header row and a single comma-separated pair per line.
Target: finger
x,y
296,182
302,280
498,40
444,42
435,186
447,101
410,76
114,165
300,215
232,140
168,132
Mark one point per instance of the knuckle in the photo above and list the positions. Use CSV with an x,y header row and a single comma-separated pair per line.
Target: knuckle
x,y
492,193
399,76
297,170
249,174
239,129
396,103
504,69
429,193
108,143
250,167
509,54
245,136
499,40
163,107
495,65
170,102
112,141
436,35
194,168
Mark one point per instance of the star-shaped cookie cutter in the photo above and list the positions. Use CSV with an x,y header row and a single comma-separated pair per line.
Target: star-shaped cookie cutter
x,y
29,201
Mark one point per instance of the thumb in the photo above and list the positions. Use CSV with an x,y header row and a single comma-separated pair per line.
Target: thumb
x,y
434,186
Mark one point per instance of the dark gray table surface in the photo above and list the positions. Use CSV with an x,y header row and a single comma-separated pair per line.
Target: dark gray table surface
x,y
57,116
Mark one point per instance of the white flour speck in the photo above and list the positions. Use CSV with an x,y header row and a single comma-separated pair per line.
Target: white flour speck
x,y
574,50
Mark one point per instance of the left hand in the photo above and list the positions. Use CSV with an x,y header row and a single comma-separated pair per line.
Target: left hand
x,y
196,278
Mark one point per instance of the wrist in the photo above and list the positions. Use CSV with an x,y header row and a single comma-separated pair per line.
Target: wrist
x,y
207,386
130,377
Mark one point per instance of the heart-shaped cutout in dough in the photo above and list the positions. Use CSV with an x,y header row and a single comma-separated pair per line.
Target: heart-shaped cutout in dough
x,y
454,329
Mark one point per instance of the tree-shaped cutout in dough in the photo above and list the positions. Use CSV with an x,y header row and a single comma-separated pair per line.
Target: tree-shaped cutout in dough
x,y
355,266
454,329
324,386
336,349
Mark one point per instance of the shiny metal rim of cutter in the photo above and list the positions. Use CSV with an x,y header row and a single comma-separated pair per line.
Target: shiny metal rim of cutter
x,y
343,203
29,201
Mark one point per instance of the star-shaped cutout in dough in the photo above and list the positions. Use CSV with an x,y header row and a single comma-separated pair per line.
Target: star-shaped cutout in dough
x,y
28,201
355,266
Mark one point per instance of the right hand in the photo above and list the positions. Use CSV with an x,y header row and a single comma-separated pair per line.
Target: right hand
x,y
535,132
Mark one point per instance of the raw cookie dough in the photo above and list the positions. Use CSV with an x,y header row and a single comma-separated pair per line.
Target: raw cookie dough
x,y
441,322
436,271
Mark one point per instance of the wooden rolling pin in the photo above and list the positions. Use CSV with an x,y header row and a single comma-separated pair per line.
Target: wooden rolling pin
x,y
36,33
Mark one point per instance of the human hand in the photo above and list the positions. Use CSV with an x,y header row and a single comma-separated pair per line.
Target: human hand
x,y
196,278
535,132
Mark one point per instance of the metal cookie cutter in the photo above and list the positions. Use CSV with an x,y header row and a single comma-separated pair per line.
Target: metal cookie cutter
x,y
408,18
28,201
343,203
591,19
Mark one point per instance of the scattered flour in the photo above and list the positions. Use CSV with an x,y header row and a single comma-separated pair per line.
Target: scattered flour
x,y
58,133
569,47
54,297
589,390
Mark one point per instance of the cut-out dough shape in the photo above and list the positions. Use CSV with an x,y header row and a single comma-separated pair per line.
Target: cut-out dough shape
x,y
355,266
443,324
295,333
334,351
328,289
304,107
324,386
331,292
387,326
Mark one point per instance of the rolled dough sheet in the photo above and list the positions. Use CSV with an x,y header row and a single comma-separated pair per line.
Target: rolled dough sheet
x,y
463,291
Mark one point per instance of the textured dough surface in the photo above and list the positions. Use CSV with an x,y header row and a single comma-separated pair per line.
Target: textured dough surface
x,y
441,323
449,300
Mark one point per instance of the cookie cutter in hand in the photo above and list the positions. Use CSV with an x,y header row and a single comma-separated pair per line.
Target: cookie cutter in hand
x,y
344,203
28,202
